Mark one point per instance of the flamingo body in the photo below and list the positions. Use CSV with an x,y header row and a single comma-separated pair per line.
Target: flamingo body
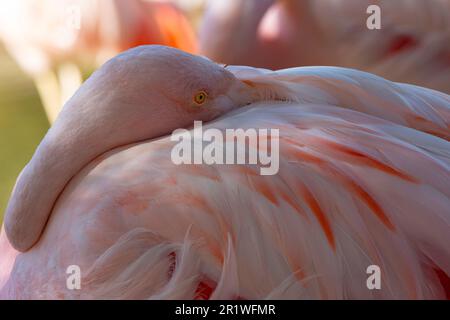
x,y
363,180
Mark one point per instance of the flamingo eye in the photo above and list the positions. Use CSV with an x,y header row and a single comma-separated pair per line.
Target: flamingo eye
x,y
200,97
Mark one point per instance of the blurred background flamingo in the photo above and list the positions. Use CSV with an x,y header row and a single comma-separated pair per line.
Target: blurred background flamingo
x,y
363,180
412,45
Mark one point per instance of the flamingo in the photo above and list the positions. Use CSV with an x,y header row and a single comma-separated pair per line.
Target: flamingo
x,y
411,46
58,42
363,180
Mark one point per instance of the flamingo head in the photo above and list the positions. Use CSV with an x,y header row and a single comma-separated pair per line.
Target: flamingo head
x,y
172,85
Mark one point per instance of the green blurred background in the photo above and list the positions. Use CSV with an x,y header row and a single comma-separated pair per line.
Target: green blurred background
x,y
23,123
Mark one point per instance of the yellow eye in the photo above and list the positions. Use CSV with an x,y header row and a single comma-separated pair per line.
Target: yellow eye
x,y
200,97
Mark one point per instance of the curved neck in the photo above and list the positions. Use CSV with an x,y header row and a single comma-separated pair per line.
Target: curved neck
x,y
80,134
